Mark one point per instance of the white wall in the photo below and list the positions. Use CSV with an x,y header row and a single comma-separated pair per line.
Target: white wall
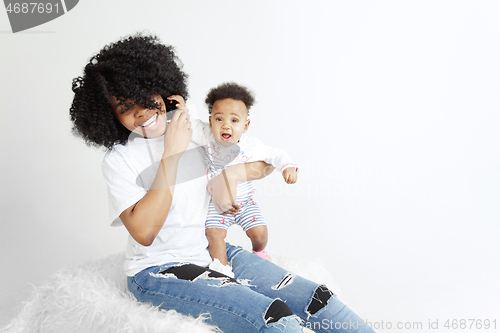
x,y
391,108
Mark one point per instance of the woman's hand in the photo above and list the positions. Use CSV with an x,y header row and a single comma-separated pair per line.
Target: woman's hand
x,y
223,190
178,134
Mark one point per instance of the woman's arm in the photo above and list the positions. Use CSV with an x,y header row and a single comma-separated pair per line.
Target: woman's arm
x,y
145,218
223,187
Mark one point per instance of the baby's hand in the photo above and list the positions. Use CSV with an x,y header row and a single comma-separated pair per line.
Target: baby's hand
x,y
290,175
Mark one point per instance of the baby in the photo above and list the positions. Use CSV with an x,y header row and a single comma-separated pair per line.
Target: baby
x,y
227,145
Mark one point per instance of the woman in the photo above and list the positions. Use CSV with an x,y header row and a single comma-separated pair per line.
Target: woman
x,y
158,190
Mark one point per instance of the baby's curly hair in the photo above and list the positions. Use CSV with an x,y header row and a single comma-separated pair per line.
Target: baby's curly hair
x,y
230,90
134,69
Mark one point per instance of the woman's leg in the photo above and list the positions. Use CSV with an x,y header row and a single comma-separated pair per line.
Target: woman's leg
x,y
194,290
313,302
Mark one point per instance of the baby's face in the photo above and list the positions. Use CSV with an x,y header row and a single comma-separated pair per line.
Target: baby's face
x,y
229,120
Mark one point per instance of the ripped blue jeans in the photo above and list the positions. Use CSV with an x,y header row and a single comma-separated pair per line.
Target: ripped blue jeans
x,y
263,298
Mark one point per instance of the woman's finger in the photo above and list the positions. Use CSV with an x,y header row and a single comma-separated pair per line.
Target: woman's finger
x,y
178,114
183,116
219,209
178,99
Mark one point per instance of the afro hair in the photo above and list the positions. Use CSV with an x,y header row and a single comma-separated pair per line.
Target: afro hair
x,y
230,90
134,69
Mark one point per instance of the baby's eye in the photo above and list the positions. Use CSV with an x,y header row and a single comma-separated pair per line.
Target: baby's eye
x,y
218,119
235,120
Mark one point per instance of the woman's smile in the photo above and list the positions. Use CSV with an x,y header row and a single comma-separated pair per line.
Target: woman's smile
x,y
151,122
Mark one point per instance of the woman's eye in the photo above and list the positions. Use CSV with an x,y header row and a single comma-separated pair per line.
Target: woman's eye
x,y
127,107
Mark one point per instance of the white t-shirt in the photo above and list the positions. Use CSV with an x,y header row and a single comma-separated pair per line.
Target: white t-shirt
x,y
129,171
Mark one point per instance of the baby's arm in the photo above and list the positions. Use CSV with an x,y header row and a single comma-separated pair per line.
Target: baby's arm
x,y
276,157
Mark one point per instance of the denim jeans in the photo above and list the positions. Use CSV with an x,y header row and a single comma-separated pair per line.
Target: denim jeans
x,y
261,299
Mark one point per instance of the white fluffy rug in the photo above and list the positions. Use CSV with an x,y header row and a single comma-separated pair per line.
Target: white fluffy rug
x,y
93,298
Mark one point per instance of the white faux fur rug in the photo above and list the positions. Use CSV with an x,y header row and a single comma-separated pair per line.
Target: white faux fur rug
x,y
93,298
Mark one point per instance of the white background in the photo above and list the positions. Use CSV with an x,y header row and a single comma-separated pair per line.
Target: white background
x,y
391,108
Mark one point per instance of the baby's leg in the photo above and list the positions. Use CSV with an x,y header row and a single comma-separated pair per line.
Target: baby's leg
x,y
251,220
258,236
216,230
216,244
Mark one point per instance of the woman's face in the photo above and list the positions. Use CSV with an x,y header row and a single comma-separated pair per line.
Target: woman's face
x,y
148,123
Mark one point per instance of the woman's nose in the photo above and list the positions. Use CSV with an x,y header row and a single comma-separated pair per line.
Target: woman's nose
x,y
141,111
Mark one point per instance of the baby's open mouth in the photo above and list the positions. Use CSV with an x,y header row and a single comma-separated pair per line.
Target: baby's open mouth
x,y
226,136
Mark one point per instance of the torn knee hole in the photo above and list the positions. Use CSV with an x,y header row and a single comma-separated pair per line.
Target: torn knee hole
x,y
319,299
191,272
287,280
277,310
